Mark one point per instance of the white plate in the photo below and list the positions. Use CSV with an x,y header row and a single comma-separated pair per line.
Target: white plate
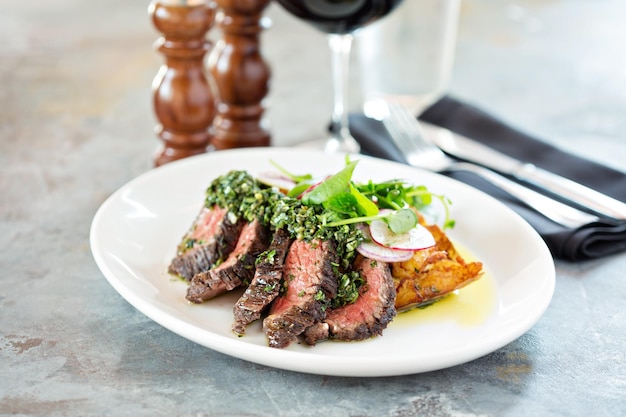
x,y
135,232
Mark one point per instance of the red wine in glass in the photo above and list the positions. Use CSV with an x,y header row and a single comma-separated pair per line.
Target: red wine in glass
x,y
340,19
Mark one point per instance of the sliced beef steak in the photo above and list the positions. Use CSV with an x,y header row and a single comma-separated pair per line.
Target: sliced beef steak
x,y
202,288
211,237
265,285
368,315
310,281
238,268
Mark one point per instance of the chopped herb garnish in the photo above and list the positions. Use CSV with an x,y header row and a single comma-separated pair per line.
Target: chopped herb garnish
x,y
266,256
348,288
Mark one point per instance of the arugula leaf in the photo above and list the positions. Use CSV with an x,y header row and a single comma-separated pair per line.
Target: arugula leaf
x,y
365,206
343,203
338,183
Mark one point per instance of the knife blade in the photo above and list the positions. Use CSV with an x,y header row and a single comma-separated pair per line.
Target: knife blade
x,y
473,151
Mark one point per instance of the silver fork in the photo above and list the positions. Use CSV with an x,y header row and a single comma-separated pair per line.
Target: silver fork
x,y
405,131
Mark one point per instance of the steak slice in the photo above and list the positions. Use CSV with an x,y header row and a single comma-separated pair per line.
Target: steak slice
x,y
212,237
310,282
238,268
368,315
265,285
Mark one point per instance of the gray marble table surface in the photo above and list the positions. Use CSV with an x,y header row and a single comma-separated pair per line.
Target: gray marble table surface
x,y
76,123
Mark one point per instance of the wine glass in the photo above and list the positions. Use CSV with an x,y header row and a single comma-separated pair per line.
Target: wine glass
x,y
339,19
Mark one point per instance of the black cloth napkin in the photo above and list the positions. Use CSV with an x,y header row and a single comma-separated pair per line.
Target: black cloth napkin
x,y
599,239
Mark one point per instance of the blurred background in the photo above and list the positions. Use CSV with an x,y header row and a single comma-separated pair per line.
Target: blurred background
x,y
555,68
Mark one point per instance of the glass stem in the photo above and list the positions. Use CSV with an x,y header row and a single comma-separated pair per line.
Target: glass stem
x,y
340,45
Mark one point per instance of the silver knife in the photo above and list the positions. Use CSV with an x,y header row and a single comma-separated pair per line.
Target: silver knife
x,y
470,150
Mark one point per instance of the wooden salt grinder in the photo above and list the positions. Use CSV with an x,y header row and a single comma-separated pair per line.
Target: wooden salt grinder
x,y
241,76
184,102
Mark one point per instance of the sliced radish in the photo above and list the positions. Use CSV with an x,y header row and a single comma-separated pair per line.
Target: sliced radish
x,y
415,239
276,179
373,250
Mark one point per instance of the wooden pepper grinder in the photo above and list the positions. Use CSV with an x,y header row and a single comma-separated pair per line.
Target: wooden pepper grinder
x,y
241,76
184,101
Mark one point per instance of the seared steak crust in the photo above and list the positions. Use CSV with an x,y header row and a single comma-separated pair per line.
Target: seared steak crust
x,y
202,287
368,315
310,280
211,237
265,284
238,268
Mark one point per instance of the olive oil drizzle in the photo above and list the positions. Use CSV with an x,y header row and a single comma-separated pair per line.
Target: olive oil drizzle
x,y
469,306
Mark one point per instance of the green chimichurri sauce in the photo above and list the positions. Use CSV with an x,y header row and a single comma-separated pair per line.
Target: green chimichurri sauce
x,y
245,197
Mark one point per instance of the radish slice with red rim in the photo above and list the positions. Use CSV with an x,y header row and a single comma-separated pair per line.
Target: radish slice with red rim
x,y
417,238
373,250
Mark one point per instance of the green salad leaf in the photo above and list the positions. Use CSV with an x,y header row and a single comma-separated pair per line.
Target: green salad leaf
x,y
333,185
347,202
